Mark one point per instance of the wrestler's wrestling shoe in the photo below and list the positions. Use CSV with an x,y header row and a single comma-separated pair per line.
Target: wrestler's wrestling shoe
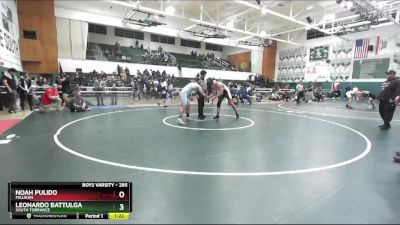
x,y
180,121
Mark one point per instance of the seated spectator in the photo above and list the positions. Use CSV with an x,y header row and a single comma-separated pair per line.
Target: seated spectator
x,y
50,97
79,104
318,94
244,95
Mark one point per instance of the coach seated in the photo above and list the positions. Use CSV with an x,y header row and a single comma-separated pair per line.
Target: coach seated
x,y
243,95
78,103
51,97
318,94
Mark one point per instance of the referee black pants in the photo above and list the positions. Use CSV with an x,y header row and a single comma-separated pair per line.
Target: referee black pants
x,y
386,109
200,108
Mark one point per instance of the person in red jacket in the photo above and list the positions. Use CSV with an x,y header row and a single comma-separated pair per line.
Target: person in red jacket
x,y
51,96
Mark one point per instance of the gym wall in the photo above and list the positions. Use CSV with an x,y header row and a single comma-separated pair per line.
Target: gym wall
x,y
39,51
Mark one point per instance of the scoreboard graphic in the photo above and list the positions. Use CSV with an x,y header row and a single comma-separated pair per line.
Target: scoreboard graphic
x,y
71,200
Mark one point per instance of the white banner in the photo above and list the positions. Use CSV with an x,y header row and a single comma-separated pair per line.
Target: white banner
x,y
317,71
9,35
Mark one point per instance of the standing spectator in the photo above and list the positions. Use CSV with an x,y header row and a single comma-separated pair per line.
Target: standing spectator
x,y
114,94
51,96
299,92
30,91
179,70
23,91
10,80
65,89
390,89
171,92
164,89
99,88
200,100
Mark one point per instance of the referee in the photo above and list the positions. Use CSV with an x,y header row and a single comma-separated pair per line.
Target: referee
x,y
387,106
200,100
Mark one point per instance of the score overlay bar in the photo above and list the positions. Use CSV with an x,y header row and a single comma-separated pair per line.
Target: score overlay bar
x,y
69,200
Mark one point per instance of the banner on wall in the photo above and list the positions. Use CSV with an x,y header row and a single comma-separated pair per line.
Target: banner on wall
x,y
9,35
319,53
317,71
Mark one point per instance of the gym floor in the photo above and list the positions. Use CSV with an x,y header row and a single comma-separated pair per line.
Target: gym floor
x,y
278,163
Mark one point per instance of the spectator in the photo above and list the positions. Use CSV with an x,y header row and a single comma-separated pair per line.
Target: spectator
x,y
30,92
171,92
79,104
51,96
106,52
127,71
99,88
179,70
23,91
243,95
114,95
64,81
10,81
299,92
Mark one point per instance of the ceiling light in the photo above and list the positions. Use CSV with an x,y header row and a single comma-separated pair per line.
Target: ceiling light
x,y
263,11
263,33
310,7
170,9
229,24
349,4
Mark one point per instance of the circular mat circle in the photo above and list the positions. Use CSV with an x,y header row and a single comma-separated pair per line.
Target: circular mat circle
x,y
182,172
251,123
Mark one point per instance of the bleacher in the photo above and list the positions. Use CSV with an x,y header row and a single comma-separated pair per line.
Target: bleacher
x,y
137,55
187,60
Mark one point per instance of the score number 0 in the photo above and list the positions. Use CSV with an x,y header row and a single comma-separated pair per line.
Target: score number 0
x,y
121,194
